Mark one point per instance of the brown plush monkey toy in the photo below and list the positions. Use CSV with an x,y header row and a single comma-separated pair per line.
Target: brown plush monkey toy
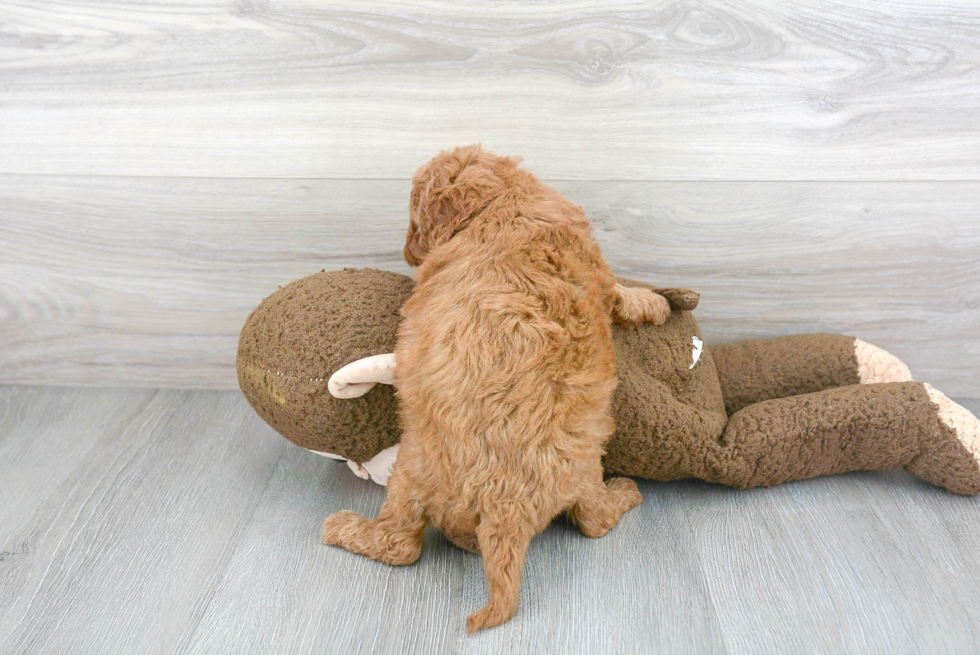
x,y
314,361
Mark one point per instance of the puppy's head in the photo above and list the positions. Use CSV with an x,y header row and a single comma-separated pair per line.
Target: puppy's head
x,y
447,192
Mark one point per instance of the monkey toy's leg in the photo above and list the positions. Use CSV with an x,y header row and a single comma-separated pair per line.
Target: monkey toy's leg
x,y
906,425
757,370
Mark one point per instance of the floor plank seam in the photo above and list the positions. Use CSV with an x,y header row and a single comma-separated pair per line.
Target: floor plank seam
x,y
78,512
704,571
6,542
184,644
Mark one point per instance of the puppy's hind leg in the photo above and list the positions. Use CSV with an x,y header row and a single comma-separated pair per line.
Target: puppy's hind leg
x,y
503,545
600,507
395,537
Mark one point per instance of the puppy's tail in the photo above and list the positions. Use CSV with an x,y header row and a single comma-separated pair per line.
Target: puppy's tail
x,y
503,544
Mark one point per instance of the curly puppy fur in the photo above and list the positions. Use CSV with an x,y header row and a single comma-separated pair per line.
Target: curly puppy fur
x,y
505,374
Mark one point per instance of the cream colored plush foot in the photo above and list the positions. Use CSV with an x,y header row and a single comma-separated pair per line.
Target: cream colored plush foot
x,y
877,365
959,419
953,465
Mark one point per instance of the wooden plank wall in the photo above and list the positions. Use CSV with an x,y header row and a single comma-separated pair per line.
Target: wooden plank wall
x,y
806,165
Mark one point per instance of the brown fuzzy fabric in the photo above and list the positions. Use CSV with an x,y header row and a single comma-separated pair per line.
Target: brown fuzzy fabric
x,y
854,428
297,337
660,402
678,298
796,410
762,369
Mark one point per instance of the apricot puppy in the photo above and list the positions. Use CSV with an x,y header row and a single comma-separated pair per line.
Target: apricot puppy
x,y
505,374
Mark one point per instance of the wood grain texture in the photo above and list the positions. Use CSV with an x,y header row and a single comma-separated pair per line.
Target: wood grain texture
x,y
182,524
669,90
37,453
147,281
579,595
125,550
885,583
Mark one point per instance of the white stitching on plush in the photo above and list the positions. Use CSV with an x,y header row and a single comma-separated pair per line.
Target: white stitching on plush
x,y
293,377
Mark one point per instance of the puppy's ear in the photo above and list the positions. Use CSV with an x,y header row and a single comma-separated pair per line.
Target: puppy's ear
x,y
453,186
448,192
414,249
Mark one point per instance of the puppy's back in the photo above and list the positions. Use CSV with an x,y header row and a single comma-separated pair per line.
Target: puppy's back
x,y
506,353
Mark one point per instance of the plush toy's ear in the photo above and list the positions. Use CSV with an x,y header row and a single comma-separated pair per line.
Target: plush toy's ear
x,y
359,377
680,298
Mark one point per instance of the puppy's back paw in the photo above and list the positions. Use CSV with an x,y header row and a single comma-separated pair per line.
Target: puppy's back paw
x,y
599,510
339,527
626,490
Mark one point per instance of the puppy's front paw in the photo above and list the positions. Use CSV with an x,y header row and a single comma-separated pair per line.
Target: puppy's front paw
x,y
340,525
636,305
657,308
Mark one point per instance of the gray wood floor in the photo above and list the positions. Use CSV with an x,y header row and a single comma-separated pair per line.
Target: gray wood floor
x,y
140,521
